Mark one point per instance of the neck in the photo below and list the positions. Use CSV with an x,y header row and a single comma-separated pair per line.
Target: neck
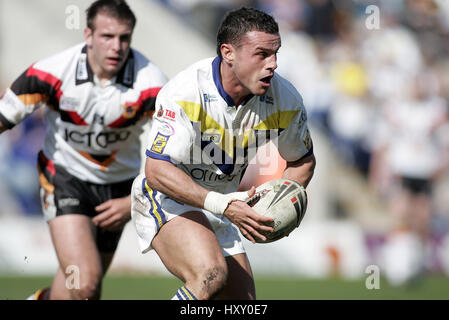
x,y
102,76
232,85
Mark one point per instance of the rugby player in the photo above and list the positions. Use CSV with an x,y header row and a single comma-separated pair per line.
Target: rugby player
x,y
99,95
209,119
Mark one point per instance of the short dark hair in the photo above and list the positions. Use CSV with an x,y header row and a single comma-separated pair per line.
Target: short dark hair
x,y
238,22
118,9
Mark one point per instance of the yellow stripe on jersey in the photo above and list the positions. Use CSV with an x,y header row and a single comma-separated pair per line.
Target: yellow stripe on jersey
x,y
155,213
187,293
196,113
278,120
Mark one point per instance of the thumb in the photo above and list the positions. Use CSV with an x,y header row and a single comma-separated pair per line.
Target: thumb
x,y
252,191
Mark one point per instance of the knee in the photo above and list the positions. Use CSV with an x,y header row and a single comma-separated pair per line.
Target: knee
x,y
213,280
90,289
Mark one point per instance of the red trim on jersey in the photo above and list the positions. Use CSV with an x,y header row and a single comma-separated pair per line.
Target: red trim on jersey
x,y
49,164
293,200
76,118
144,95
48,78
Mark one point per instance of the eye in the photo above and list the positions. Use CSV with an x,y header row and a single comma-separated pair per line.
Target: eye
x,y
125,38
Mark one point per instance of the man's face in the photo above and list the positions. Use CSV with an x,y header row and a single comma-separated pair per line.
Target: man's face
x,y
255,61
108,44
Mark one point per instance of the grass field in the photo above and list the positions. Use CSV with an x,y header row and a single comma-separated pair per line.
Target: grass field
x,y
135,287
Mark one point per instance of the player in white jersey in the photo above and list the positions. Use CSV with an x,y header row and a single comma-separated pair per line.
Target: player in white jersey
x,y
98,95
208,122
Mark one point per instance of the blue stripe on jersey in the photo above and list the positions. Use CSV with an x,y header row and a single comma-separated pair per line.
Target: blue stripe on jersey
x,y
192,296
183,295
157,156
216,75
155,210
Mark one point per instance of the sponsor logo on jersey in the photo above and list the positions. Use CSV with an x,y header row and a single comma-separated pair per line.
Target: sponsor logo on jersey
x,y
209,97
130,111
69,103
159,143
102,139
166,129
208,175
266,99
81,71
160,112
170,115
308,140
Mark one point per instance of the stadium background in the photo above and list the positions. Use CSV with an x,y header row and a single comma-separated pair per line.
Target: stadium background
x,y
341,66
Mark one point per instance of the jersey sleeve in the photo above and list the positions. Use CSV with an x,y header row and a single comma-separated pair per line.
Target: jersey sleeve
x,y
295,141
28,92
171,136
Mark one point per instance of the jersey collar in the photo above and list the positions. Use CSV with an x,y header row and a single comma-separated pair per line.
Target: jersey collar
x,y
217,80
85,74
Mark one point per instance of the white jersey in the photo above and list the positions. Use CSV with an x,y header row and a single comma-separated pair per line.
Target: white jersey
x,y
197,127
93,132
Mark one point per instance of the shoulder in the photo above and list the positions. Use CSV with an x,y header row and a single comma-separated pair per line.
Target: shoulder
x,y
184,86
59,63
285,94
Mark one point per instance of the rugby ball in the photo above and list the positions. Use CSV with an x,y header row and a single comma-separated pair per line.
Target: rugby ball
x,y
283,200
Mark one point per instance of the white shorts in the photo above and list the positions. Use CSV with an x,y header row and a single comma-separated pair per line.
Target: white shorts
x,y
151,209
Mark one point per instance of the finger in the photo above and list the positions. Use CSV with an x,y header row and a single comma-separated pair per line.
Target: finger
x,y
103,206
246,234
263,226
260,218
253,231
106,223
102,216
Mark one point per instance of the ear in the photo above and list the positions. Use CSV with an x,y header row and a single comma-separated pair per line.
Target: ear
x,y
88,34
227,52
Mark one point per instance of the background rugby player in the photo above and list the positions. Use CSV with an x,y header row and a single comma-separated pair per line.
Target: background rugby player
x,y
98,95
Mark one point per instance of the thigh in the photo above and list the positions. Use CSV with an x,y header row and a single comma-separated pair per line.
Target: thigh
x,y
186,244
73,237
240,284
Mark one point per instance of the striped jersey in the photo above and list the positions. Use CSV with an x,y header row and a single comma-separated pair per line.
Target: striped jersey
x,y
198,128
93,132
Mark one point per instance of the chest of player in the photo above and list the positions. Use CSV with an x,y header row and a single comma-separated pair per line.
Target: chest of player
x,y
258,119
112,106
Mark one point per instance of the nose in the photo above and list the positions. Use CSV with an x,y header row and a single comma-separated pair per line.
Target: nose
x,y
272,63
116,44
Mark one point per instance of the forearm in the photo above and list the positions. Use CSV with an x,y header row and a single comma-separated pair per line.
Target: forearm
x,y
172,181
2,127
301,170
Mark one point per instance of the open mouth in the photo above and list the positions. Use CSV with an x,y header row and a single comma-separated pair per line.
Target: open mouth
x,y
115,60
267,80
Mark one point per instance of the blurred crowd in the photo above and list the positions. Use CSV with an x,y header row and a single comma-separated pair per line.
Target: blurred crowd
x,y
374,76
